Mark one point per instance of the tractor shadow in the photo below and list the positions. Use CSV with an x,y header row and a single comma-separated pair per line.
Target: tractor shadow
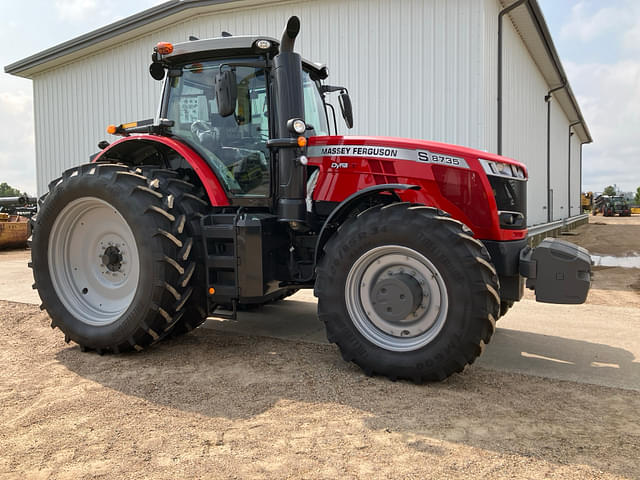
x,y
221,374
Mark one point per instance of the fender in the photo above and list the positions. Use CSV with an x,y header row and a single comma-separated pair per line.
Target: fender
x,y
346,206
214,189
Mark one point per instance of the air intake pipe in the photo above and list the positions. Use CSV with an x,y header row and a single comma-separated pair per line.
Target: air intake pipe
x,y
289,104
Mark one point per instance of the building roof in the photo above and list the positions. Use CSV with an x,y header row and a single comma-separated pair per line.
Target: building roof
x,y
527,19
166,13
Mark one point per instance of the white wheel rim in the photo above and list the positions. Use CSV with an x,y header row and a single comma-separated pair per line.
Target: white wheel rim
x,y
410,333
95,292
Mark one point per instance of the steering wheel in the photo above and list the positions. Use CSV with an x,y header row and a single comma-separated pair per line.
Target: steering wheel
x,y
209,138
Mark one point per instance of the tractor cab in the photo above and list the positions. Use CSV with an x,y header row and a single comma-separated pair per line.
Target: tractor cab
x,y
235,144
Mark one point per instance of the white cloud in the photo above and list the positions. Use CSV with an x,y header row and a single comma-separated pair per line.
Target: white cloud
x,y
587,26
608,89
609,96
17,155
74,10
93,14
631,38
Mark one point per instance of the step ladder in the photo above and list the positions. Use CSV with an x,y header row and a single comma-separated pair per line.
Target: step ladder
x,y
219,234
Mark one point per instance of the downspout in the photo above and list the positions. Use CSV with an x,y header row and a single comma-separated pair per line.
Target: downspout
x,y
547,99
502,13
581,145
571,125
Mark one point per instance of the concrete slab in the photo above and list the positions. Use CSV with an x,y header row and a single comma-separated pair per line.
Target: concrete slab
x,y
16,277
291,319
593,344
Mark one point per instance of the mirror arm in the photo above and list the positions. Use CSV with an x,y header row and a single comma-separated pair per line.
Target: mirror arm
x,y
333,112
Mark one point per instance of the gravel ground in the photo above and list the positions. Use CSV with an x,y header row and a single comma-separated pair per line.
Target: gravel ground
x,y
618,236
215,405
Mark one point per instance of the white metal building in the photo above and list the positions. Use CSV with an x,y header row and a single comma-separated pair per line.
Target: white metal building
x,y
415,68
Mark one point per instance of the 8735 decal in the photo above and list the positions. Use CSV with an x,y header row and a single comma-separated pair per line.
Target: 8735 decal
x,y
430,157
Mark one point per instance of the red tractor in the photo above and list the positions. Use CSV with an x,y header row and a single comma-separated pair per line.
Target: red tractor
x,y
237,193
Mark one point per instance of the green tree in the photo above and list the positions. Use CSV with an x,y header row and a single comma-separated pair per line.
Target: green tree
x,y
637,199
609,191
7,190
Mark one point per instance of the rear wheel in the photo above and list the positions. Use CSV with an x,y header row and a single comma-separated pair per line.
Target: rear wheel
x,y
188,203
110,262
406,292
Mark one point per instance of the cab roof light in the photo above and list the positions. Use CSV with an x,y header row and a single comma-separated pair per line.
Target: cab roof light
x,y
263,44
164,48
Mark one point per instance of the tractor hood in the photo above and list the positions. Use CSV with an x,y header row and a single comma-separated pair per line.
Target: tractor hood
x,y
401,149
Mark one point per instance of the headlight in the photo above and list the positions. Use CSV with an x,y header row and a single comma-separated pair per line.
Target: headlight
x,y
297,125
502,169
263,44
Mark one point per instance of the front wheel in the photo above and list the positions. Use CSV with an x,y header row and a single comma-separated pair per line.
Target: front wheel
x,y
406,292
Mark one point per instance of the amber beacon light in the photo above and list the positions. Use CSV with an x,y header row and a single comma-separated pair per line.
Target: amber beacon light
x,y
164,48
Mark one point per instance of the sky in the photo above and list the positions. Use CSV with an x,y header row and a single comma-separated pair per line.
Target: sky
x,y
598,42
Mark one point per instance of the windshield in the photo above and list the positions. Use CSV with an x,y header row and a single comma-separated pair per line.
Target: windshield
x,y
235,146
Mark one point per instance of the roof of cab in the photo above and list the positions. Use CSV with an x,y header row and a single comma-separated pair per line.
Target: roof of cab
x,y
228,45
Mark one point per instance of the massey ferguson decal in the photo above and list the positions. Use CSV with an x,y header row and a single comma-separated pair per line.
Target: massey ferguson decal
x,y
423,156
351,151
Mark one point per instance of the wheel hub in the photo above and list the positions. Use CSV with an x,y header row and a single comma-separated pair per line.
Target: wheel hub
x,y
396,296
112,258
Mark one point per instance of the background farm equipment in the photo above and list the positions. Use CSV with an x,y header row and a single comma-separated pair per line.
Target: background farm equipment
x,y
14,220
610,206
24,205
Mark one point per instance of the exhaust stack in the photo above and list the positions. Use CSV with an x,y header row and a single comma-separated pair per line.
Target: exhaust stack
x,y
287,74
289,35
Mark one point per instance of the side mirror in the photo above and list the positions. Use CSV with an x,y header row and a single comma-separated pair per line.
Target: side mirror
x,y
226,92
156,69
347,109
